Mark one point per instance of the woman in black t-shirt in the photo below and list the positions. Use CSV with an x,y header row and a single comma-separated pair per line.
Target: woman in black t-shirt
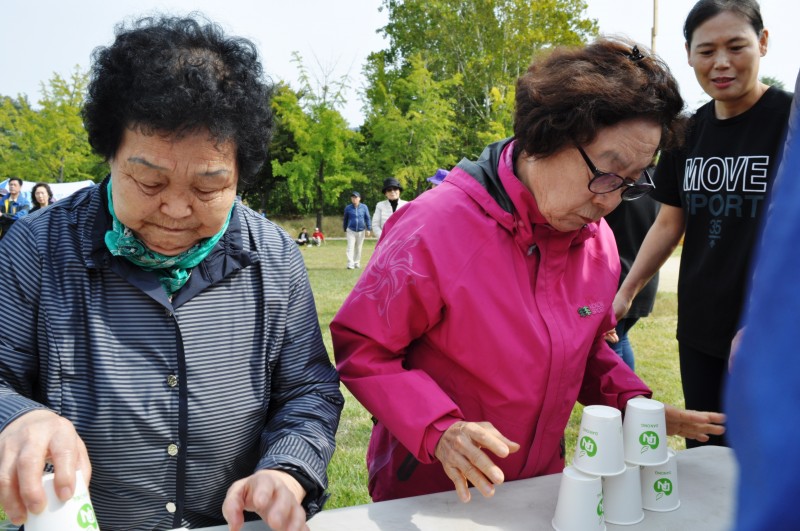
x,y
714,190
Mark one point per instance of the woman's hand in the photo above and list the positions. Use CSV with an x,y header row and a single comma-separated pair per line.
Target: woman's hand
x,y
621,305
461,452
693,424
26,444
272,494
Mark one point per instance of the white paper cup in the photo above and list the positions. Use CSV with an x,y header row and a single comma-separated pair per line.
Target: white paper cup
x,y
599,449
645,432
76,514
622,497
580,502
660,485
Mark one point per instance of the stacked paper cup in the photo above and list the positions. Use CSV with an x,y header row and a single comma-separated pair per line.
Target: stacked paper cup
x,y
626,466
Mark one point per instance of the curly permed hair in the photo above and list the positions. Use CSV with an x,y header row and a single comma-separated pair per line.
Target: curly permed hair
x,y
572,93
170,75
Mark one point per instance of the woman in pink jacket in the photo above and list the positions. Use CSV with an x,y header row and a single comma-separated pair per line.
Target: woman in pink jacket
x,y
471,352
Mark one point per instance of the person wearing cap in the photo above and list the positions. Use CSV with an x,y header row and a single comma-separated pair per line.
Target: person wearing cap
x,y
317,237
384,209
356,224
437,177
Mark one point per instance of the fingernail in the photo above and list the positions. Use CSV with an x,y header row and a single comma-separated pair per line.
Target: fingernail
x,y
37,508
64,493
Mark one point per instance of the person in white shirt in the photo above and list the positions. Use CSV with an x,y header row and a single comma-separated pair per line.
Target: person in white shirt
x,y
384,209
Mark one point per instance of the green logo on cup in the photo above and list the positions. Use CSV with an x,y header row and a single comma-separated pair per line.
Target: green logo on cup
x,y
663,487
600,508
86,517
588,446
648,440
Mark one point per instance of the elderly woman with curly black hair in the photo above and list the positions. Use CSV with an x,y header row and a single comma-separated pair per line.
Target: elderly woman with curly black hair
x,y
172,353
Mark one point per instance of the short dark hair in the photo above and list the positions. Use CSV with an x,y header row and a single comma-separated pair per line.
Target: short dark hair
x,y
177,75
46,187
573,92
706,9
15,179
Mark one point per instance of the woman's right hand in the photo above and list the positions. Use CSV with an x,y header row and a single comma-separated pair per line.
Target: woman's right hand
x,y
26,444
621,305
461,452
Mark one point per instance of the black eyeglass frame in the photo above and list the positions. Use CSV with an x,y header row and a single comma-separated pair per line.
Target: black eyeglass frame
x,y
631,192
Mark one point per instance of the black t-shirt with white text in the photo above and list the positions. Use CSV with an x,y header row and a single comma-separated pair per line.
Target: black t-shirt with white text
x,y
721,179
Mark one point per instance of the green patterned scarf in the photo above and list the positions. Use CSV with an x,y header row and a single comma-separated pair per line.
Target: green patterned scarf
x,y
173,271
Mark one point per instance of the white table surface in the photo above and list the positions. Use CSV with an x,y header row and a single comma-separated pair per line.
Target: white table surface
x,y
707,479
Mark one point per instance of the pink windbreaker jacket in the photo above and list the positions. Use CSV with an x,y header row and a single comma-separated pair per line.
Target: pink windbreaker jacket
x,y
503,323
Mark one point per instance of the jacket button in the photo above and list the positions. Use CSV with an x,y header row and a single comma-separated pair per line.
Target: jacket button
x,y
171,507
172,380
172,449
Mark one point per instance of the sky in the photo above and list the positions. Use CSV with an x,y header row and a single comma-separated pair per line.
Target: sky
x,y
39,38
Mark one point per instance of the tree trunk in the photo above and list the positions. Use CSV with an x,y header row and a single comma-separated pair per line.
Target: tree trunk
x,y
320,199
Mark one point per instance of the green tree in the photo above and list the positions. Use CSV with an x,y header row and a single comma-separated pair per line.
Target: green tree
x,y
489,43
773,82
49,143
324,163
411,126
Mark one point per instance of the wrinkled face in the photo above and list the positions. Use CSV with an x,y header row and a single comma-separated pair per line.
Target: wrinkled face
x,y
725,54
171,192
392,194
13,187
560,182
41,196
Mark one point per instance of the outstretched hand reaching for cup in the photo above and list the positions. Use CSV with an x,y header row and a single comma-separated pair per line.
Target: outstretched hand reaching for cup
x,y
693,424
461,452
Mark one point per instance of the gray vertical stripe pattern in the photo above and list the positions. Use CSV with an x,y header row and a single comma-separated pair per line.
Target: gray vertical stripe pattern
x,y
86,340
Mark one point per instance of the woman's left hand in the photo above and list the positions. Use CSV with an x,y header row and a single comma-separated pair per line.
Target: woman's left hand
x,y
274,495
693,424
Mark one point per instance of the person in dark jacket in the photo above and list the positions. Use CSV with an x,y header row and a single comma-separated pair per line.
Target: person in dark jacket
x,y
630,222
356,223
170,349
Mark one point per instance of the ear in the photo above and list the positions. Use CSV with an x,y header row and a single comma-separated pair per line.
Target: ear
x,y
763,41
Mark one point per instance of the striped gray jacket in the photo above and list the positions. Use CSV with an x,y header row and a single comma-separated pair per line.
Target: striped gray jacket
x,y
175,399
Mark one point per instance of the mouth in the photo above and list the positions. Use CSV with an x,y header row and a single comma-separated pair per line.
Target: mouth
x,y
722,82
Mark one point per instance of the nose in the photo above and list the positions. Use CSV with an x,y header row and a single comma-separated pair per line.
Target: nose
x,y
607,202
721,60
176,204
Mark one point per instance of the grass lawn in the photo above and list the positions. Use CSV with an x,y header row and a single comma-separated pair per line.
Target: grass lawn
x,y
653,340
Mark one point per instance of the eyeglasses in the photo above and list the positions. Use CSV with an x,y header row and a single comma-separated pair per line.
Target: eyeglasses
x,y
604,182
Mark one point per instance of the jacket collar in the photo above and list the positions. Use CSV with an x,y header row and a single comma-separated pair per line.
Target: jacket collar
x,y
491,182
227,256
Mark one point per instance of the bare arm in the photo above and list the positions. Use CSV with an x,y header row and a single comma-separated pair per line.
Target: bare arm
x,y
661,240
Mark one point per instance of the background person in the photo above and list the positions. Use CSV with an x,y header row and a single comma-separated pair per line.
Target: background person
x,y
630,222
713,190
13,205
303,238
384,209
42,196
437,177
317,237
172,350
471,353
356,224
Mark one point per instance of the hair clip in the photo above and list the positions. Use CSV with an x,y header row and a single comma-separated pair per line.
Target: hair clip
x,y
635,55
